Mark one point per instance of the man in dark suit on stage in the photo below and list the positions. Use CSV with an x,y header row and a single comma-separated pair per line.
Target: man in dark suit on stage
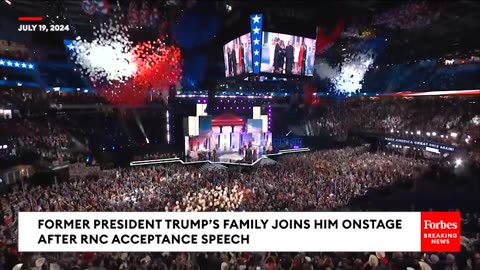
x,y
289,58
232,62
277,55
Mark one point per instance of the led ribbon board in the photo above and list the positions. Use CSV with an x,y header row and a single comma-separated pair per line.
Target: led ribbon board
x,y
16,64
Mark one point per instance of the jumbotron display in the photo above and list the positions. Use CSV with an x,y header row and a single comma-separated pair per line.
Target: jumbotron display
x,y
287,54
237,55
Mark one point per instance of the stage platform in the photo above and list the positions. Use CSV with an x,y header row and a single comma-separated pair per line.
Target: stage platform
x,y
229,157
225,159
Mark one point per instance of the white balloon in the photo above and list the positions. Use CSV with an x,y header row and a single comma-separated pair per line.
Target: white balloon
x,y
347,77
109,57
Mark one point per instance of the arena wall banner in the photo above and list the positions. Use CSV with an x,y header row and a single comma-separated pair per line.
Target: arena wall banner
x,y
238,231
417,143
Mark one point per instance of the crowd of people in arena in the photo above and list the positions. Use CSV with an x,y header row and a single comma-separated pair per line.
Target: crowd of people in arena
x,y
49,141
13,50
255,261
315,181
52,136
43,138
408,16
156,155
27,98
51,115
429,117
75,98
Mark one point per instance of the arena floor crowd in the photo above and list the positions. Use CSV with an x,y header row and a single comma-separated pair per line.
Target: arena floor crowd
x,y
316,181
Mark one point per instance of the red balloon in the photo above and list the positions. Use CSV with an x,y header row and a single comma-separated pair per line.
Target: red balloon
x,y
158,67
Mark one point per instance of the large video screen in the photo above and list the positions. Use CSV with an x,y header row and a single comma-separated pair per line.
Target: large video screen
x,y
287,54
237,55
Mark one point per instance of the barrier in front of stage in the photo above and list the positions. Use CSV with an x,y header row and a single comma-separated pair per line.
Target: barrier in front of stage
x,y
178,160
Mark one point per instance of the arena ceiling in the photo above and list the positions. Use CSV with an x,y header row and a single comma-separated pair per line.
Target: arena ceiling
x,y
456,29
72,9
454,14
300,16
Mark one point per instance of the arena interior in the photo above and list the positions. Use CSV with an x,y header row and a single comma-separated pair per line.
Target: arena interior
x,y
189,105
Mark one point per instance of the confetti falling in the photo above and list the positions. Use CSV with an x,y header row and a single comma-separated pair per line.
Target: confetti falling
x,y
158,65
108,58
126,93
121,72
350,76
347,77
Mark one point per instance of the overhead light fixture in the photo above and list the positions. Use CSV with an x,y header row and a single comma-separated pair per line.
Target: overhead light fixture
x,y
8,2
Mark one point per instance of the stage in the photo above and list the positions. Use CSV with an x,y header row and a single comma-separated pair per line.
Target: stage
x,y
228,137
231,157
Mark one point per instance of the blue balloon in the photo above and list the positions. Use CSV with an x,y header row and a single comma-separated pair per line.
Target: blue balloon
x,y
196,27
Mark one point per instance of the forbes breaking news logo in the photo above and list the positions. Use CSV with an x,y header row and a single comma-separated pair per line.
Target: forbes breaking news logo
x,y
441,231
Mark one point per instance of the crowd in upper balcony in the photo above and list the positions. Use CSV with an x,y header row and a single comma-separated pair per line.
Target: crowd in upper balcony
x,y
77,97
408,16
452,120
42,138
14,50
